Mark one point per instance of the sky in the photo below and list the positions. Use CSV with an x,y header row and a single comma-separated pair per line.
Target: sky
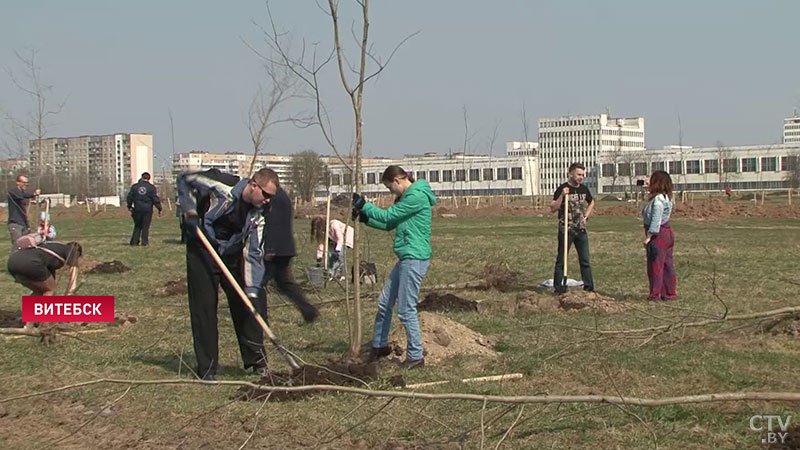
x,y
700,72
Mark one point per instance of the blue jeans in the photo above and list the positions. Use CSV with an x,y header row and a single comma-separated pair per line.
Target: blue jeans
x,y
402,287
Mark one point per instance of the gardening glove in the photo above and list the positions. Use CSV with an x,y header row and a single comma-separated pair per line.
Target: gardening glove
x,y
319,262
354,214
362,217
358,201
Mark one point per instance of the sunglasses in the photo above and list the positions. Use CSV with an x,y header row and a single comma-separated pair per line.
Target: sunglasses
x,y
263,192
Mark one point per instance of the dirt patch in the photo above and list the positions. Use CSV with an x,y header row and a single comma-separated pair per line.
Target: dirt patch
x,y
577,300
121,319
87,264
436,301
442,338
10,319
172,287
109,267
523,302
790,442
500,277
336,373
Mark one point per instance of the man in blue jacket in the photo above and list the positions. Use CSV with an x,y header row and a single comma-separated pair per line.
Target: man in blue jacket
x,y
229,212
141,199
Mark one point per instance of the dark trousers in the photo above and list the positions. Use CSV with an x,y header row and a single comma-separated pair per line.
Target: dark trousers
x,y
141,226
203,279
278,269
16,231
660,267
581,241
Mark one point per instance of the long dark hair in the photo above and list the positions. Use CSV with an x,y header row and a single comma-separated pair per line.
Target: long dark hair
x,y
660,183
393,172
318,230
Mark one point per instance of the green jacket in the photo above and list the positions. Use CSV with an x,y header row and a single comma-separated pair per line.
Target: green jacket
x,y
411,216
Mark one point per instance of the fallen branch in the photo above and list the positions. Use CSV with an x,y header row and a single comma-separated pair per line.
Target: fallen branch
x,y
475,284
517,399
504,377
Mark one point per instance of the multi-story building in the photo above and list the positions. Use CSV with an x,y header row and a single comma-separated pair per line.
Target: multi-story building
x,y
239,163
742,168
234,163
448,175
108,163
568,139
524,148
791,130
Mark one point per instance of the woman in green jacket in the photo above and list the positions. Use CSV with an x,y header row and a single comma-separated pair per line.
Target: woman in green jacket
x,y
410,217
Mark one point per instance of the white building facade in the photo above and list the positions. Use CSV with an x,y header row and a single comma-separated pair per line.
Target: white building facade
x,y
791,130
449,175
742,168
570,139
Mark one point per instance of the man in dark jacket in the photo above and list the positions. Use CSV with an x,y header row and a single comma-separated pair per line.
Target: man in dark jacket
x,y
229,212
18,199
141,199
279,251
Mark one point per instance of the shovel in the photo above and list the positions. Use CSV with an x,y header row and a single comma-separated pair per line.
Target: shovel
x,y
270,335
566,241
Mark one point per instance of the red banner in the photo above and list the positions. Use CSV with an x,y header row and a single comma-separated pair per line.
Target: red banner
x,y
75,308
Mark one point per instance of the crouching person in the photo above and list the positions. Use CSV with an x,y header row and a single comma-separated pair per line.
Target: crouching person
x,y
35,266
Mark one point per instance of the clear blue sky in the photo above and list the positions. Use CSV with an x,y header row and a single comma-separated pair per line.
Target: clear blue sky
x,y
730,69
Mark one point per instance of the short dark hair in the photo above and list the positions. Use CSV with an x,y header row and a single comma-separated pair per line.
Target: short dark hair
x,y
267,175
146,176
574,166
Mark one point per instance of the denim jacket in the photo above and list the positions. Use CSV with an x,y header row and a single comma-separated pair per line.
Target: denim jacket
x,y
656,213
223,202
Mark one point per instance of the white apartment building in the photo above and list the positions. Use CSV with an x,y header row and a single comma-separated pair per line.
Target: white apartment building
x,y
791,130
109,163
449,175
742,168
234,163
569,139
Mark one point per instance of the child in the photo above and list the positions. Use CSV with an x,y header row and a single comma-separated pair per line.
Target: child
x,y
339,236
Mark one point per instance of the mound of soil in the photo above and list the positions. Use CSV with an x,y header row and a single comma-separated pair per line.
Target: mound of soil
x,y
336,373
442,338
109,267
576,300
790,442
10,319
499,277
124,319
172,287
436,301
87,264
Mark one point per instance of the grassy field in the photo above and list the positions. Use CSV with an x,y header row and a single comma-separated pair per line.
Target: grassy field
x,y
753,263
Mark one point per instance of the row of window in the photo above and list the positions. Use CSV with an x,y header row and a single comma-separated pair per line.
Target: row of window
x,y
569,123
735,185
441,176
729,165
